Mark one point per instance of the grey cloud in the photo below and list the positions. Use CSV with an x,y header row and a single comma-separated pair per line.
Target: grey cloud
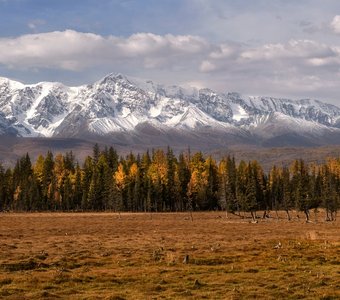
x,y
297,67
273,56
71,50
335,24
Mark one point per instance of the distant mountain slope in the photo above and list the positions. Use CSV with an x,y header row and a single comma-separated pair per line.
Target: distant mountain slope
x,y
138,112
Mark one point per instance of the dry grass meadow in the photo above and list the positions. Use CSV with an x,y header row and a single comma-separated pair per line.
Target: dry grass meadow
x,y
140,256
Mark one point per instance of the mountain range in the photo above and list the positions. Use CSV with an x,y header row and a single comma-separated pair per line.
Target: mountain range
x,y
135,113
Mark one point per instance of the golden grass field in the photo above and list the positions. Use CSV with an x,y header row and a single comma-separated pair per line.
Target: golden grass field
x,y
140,256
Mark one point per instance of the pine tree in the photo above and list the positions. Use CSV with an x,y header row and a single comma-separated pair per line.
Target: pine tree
x,y
46,179
329,192
86,181
197,186
22,179
112,159
211,194
3,192
33,200
172,192
301,187
77,188
144,164
96,154
250,198
274,190
227,184
287,198
241,184
157,173
184,176
69,162
66,192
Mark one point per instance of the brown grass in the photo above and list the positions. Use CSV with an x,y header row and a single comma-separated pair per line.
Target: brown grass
x,y
140,256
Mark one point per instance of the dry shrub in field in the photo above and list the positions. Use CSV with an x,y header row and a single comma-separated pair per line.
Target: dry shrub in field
x,y
158,254
312,235
171,258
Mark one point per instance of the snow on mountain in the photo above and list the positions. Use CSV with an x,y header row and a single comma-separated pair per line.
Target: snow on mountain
x,y
119,104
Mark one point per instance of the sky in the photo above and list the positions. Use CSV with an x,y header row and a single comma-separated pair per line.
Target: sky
x,y
280,48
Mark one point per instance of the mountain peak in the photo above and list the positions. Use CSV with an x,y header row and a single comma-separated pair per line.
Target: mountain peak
x,y
114,77
119,104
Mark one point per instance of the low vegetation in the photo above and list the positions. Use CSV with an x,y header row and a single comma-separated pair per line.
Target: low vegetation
x,y
167,256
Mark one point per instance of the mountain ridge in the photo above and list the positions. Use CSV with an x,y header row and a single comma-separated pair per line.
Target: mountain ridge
x,y
120,105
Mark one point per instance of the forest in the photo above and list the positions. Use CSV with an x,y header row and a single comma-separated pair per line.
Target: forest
x,y
160,181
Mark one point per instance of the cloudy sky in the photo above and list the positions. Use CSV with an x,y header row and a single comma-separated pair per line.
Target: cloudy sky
x,y
283,48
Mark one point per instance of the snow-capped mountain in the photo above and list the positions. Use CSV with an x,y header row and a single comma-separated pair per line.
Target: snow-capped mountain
x,y
120,105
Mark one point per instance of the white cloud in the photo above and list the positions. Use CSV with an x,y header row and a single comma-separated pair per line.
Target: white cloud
x,y
335,25
208,66
71,50
296,49
297,67
273,58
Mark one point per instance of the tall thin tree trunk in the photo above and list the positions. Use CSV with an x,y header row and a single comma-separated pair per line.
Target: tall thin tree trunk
x,y
253,216
306,211
327,219
333,216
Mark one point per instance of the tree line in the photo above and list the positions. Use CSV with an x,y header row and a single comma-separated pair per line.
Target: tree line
x,y
159,181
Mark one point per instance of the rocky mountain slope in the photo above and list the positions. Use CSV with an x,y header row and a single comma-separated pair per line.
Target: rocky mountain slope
x,y
131,111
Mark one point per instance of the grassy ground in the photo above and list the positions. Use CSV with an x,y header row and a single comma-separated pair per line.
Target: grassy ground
x,y
140,256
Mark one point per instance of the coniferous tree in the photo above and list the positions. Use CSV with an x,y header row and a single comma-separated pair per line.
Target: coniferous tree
x,y
172,184
33,197
287,198
3,190
211,174
86,181
241,184
22,178
120,181
164,182
227,184
77,189
275,191
183,178
329,192
157,173
66,192
198,182
250,198
96,153
47,176
301,188
69,162
144,164
112,159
